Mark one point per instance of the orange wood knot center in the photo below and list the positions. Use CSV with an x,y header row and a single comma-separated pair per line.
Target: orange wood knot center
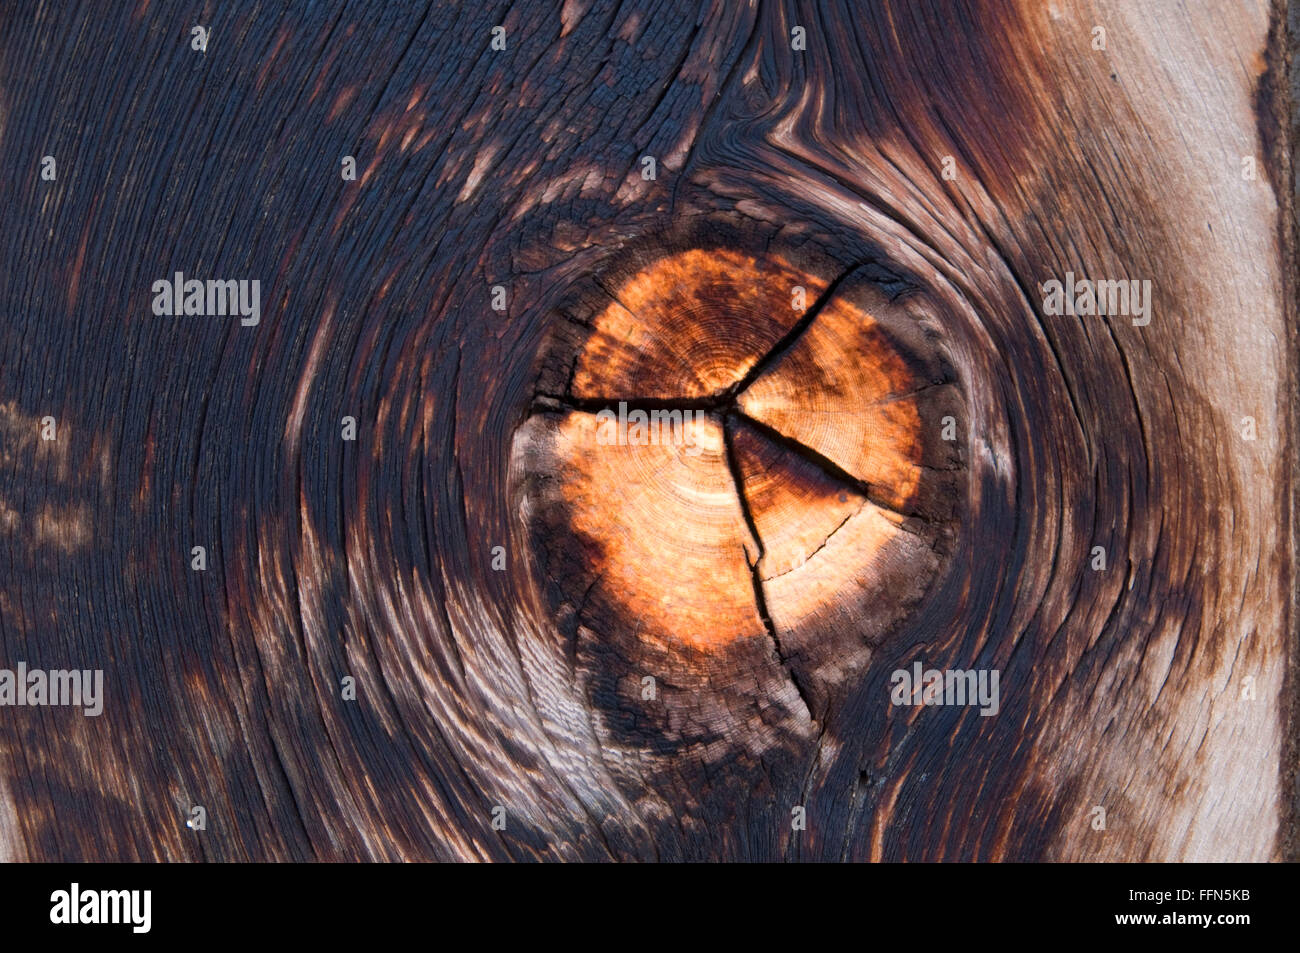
x,y
746,451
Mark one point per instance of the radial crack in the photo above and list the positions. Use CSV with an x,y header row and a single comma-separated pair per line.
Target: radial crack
x,y
593,405
600,283
809,558
779,349
828,466
760,596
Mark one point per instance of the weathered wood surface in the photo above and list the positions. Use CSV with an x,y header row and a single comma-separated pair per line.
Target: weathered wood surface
x,y
1124,688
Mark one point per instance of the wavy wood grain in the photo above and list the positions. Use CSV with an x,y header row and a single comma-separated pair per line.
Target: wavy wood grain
x,y
522,688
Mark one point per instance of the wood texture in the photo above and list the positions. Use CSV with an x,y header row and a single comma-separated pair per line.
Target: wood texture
x,y
825,536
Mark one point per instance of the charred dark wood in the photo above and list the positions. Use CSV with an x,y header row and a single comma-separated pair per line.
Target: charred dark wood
x,y
566,648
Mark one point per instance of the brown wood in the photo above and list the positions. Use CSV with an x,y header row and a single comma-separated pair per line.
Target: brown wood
x,y
922,169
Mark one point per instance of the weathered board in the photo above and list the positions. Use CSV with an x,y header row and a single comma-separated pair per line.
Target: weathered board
x,y
438,616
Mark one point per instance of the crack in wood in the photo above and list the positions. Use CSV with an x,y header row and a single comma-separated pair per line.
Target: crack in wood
x,y
760,595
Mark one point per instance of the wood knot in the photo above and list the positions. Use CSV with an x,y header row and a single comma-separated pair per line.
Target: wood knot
x,y
737,472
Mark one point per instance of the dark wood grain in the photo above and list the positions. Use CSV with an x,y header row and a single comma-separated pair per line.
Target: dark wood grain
x,y
518,688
